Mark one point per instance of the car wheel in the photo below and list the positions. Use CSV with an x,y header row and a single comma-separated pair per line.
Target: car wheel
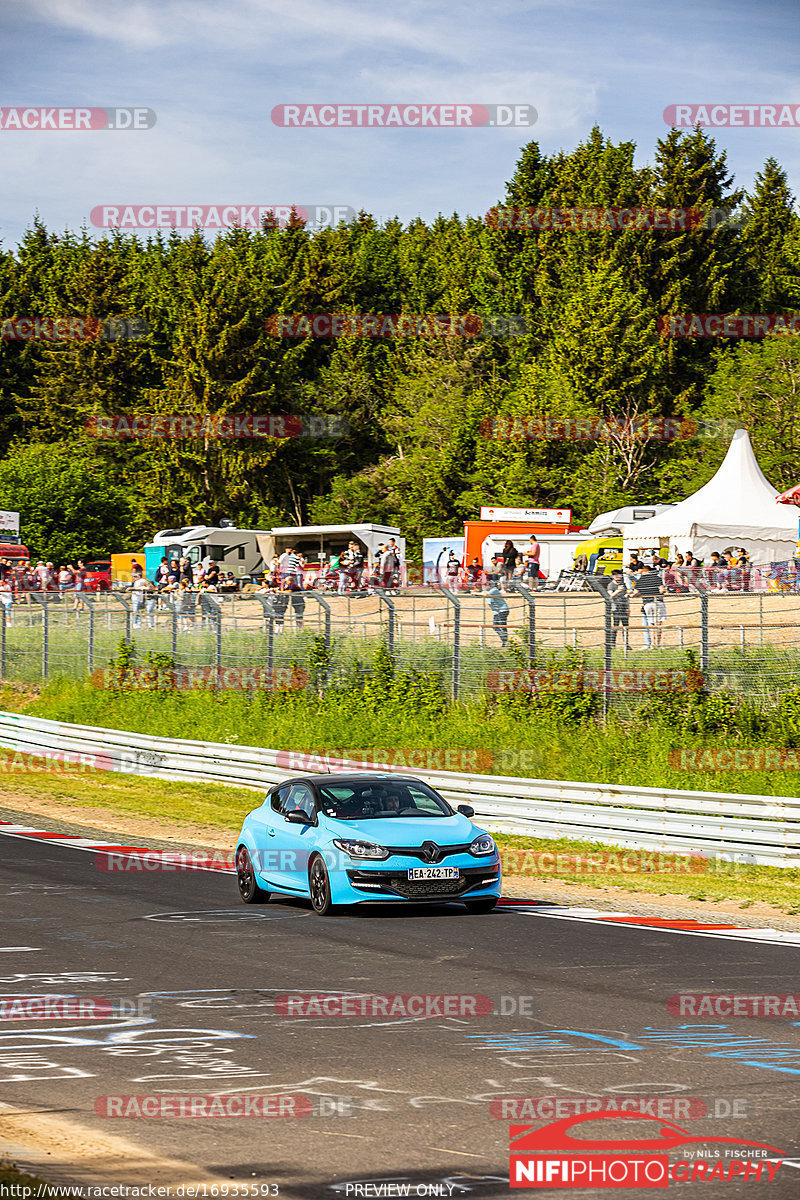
x,y
249,891
319,886
484,904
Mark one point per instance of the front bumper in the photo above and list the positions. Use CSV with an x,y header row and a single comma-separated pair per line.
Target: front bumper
x,y
393,883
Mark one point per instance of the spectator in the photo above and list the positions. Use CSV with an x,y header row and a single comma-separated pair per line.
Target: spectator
x,y
743,569
186,572
387,565
7,599
499,607
475,574
275,571
297,599
143,595
187,604
289,564
345,575
162,572
395,549
66,578
511,557
530,556
212,575
451,570
632,571
228,583
674,578
620,607
650,590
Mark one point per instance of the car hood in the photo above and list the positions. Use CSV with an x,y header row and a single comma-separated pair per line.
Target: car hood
x,y
407,831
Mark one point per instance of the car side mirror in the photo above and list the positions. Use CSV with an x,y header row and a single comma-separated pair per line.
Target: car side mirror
x,y
466,810
298,817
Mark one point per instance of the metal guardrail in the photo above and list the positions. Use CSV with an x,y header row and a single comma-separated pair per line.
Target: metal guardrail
x,y
757,829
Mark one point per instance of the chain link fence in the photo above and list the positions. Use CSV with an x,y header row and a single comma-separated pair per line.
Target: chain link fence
x,y
748,643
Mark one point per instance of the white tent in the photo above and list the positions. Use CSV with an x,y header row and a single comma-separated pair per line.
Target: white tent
x,y
735,508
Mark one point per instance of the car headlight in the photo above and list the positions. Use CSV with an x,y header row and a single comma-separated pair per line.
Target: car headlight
x,y
360,849
483,845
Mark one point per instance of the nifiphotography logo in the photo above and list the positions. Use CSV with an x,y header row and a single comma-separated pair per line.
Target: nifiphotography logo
x,y
550,1157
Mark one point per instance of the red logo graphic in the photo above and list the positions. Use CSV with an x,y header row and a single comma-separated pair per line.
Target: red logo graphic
x,y
551,1157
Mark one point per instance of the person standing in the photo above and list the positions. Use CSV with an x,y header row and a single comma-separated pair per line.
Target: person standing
x,y
511,557
499,607
650,590
530,556
386,567
395,549
620,607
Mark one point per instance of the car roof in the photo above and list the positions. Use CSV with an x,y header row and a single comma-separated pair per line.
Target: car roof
x,y
360,777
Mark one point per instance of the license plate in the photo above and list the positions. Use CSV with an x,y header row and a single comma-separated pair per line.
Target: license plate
x,y
433,873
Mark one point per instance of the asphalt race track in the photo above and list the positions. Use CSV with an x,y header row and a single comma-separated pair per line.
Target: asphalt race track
x,y
580,1010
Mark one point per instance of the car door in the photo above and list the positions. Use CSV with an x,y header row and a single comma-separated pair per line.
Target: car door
x,y
270,828
297,841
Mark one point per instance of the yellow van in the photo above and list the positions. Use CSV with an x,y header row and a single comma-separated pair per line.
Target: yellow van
x,y
121,565
608,551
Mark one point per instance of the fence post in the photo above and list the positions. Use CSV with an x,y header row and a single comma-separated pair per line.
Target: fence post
x,y
384,599
527,595
89,603
704,632
327,610
456,603
594,583
213,610
124,604
269,625
41,598
3,643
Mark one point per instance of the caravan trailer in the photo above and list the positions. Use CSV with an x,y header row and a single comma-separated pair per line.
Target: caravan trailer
x,y
238,550
248,552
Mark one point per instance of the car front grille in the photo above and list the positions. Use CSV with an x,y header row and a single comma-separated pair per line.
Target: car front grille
x,y
397,883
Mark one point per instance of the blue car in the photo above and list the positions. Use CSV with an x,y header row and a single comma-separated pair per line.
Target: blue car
x,y
356,839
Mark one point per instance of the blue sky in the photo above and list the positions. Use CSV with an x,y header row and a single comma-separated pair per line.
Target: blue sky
x,y
213,71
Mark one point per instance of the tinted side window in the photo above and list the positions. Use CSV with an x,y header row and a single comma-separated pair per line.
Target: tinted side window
x,y
298,795
278,798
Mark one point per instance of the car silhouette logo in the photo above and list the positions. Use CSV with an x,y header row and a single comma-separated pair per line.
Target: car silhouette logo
x,y
556,1137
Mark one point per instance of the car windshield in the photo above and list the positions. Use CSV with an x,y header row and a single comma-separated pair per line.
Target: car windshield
x,y
377,800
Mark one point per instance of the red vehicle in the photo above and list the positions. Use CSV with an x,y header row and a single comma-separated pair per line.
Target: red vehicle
x,y
98,576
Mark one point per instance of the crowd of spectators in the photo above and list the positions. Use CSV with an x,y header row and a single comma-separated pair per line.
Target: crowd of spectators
x,y
346,573
509,565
